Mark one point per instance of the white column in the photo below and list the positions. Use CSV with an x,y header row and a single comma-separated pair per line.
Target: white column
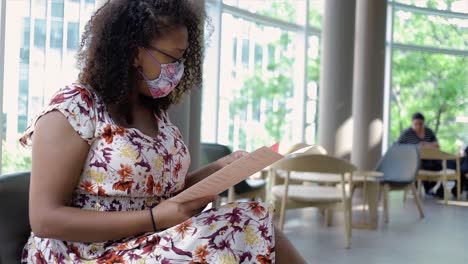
x,y
368,90
187,114
2,63
336,77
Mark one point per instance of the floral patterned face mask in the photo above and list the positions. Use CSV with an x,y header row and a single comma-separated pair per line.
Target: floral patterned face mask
x,y
169,78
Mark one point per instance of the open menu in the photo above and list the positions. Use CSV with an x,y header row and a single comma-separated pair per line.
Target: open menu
x,y
230,175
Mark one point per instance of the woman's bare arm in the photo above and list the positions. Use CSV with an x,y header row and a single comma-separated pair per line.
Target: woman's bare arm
x,y
58,156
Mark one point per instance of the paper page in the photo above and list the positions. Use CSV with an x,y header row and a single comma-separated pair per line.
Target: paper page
x,y
229,175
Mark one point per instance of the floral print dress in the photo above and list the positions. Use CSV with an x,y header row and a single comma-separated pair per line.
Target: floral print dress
x,y
127,170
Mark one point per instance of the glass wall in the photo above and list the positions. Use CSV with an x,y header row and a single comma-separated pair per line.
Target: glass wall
x,y
430,68
267,69
42,37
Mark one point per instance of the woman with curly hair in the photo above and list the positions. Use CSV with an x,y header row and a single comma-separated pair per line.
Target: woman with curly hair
x,y
107,159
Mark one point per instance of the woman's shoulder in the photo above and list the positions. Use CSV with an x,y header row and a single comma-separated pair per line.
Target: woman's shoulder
x,y
74,91
78,104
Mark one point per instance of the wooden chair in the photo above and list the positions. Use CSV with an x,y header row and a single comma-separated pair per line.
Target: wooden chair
x,y
298,196
444,175
309,149
277,177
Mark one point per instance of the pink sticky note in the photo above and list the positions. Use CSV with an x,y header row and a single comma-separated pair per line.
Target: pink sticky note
x,y
275,147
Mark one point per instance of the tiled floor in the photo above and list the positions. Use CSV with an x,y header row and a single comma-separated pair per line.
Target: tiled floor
x,y
441,237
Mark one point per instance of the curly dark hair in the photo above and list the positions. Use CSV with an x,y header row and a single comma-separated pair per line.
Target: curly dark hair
x,y
112,37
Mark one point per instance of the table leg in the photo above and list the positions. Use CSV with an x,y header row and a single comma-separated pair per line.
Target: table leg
x,y
371,202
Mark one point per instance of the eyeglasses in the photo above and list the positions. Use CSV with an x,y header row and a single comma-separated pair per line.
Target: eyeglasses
x,y
180,60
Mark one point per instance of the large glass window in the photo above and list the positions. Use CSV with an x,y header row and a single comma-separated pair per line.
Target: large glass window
x,y
35,64
430,30
430,69
56,34
290,11
256,96
268,81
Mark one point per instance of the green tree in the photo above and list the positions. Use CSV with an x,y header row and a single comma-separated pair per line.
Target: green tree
x,y
15,159
435,84
273,88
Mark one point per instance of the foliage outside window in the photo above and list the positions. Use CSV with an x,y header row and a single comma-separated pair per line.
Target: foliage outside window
x,y
435,84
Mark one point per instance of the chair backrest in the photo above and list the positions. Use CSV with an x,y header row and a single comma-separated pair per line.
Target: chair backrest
x,y
14,220
435,154
306,149
400,163
327,165
316,149
211,152
296,147
314,163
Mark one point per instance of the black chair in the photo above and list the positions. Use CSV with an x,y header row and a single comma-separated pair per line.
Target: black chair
x,y
211,152
14,217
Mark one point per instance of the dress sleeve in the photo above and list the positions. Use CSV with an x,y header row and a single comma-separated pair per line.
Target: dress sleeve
x,y
77,105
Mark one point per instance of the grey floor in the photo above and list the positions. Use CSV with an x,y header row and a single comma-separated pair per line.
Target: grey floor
x,y
441,237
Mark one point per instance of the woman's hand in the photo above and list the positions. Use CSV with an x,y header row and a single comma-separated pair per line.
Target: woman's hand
x,y
224,161
168,213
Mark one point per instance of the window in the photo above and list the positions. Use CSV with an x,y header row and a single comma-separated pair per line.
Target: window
x,y
430,30
56,34
39,33
241,99
73,35
57,8
289,11
245,52
260,97
430,69
36,64
258,54
316,13
24,50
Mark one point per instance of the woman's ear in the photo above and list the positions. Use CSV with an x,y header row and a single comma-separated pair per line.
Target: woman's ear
x,y
137,55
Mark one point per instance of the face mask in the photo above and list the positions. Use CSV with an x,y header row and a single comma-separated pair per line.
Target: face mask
x,y
171,74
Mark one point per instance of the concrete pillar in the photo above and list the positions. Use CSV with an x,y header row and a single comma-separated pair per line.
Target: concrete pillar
x,y
368,89
336,77
187,114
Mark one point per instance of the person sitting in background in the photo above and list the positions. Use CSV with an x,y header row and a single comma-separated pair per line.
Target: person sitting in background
x,y
423,136
451,164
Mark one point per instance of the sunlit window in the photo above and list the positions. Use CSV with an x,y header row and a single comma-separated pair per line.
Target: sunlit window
x,y
42,38
430,68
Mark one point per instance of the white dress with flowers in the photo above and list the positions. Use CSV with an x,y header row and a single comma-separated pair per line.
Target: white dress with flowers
x,y
127,170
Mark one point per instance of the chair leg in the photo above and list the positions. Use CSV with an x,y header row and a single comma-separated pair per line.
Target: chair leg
x,y
418,201
348,221
446,193
322,211
328,217
385,202
282,212
420,188
458,189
